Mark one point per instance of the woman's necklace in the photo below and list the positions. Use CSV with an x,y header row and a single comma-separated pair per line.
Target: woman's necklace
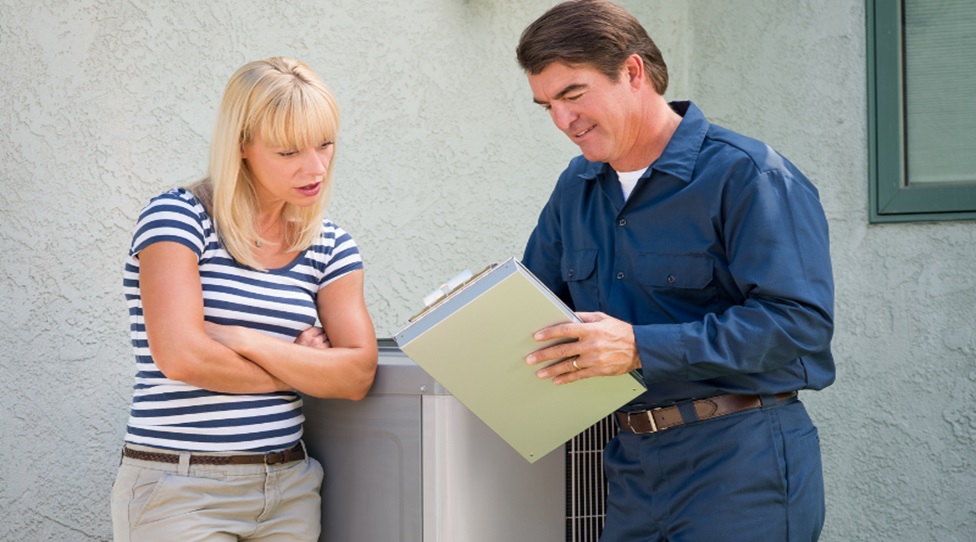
x,y
259,243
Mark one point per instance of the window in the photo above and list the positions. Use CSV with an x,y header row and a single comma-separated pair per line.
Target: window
x,y
921,109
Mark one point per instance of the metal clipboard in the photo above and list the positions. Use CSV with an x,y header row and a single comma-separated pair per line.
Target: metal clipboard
x,y
474,340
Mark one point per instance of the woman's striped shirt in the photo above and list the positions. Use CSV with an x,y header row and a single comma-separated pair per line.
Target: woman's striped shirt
x,y
281,302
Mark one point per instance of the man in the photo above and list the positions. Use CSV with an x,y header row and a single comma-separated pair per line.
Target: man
x,y
698,257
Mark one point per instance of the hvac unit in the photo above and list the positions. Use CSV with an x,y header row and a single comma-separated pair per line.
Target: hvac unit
x,y
410,463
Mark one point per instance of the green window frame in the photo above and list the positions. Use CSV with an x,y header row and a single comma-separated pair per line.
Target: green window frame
x,y
894,198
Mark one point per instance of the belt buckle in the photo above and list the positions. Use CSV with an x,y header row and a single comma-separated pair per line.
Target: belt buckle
x,y
650,417
273,458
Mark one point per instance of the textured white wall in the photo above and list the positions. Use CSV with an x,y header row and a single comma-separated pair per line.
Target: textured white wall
x,y
443,164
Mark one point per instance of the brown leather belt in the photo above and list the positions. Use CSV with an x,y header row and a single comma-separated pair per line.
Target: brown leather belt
x,y
295,453
659,419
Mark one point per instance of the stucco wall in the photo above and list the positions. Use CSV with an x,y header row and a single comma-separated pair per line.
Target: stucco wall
x,y
443,164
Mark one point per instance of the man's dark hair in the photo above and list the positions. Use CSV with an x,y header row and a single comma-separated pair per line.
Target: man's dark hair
x,y
590,32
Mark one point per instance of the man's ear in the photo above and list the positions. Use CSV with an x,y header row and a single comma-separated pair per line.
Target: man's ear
x,y
634,66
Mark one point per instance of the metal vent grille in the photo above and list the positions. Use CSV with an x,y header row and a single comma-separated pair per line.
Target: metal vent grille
x,y
586,484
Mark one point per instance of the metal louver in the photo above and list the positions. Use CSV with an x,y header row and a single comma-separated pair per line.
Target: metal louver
x,y
586,484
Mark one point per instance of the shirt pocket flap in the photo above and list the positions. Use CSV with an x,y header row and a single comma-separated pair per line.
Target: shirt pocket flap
x,y
689,271
578,264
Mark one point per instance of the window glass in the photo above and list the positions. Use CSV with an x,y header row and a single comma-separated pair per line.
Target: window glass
x,y
940,90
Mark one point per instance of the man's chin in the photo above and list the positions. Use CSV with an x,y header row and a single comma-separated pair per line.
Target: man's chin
x,y
593,155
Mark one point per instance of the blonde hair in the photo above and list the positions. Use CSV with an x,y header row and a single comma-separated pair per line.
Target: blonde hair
x,y
285,103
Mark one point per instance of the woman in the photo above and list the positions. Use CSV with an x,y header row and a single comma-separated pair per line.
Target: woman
x,y
225,281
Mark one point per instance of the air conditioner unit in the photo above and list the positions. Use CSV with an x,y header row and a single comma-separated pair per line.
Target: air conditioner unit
x,y
410,463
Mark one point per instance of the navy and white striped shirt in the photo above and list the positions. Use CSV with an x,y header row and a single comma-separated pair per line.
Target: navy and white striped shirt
x,y
281,302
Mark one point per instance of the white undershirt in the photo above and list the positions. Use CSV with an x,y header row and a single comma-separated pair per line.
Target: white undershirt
x,y
628,180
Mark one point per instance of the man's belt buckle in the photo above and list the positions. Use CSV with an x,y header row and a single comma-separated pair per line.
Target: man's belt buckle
x,y
649,414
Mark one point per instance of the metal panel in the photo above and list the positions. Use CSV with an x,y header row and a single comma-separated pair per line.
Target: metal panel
x,y
371,453
478,489
410,463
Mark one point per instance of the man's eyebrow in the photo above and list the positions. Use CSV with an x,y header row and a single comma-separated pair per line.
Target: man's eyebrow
x,y
562,93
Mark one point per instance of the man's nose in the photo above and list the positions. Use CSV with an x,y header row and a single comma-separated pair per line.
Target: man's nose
x,y
562,116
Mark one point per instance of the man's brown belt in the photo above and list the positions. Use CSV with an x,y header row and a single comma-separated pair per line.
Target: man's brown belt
x,y
295,453
659,419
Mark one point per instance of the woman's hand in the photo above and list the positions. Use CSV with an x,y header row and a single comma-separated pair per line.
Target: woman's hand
x,y
313,337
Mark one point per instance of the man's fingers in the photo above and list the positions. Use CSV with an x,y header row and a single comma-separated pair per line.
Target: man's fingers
x,y
556,332
589,317
571,364
559,351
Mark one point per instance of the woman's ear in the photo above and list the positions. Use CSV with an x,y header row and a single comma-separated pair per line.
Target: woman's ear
x,y
244,145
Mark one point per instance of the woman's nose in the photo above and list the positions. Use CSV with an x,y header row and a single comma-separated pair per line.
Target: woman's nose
x,y
316,164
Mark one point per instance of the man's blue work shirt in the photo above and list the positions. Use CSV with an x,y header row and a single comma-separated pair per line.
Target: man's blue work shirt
x,y
720,259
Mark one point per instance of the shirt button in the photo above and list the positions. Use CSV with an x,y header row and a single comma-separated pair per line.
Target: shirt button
x,y
620,275
622,222
671,279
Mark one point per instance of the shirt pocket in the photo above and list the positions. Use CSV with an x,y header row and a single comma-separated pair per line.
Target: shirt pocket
x,y
682,282
578,269
578,264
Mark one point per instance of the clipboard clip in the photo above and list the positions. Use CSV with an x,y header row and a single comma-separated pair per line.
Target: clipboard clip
x,y
455,283
445,289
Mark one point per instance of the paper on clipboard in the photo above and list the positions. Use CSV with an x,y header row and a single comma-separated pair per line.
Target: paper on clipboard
x,y
474,340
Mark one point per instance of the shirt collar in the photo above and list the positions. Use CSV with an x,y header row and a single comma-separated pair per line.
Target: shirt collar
x,y
681,153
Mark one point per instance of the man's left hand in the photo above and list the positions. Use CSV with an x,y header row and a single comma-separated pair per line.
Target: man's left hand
x,y
602,346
